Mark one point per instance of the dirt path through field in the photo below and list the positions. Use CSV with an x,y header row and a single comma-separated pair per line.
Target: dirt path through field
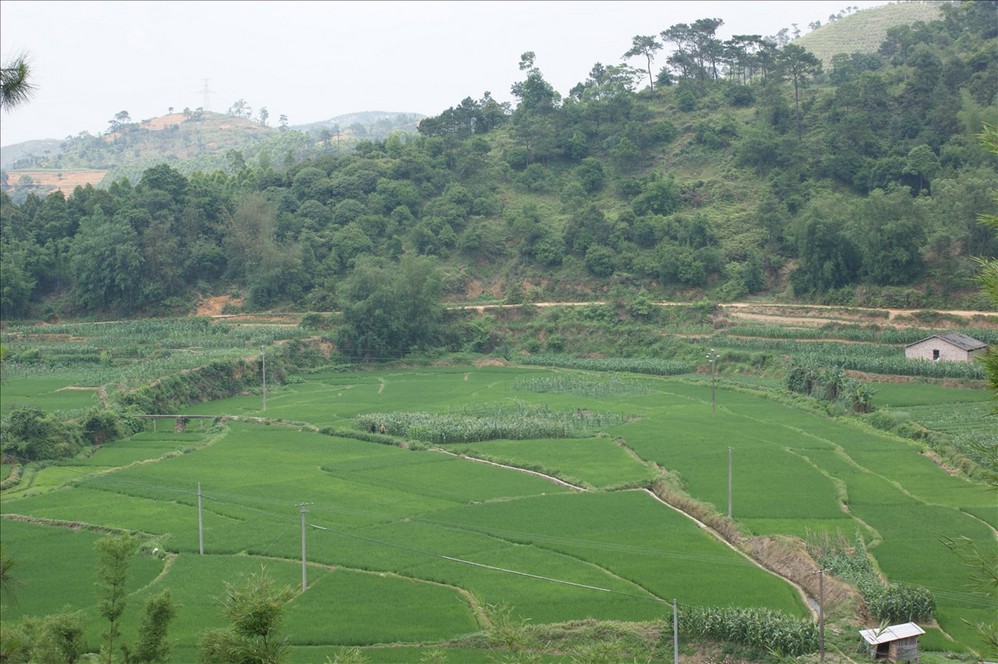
x,y
768,311
549,478
796,314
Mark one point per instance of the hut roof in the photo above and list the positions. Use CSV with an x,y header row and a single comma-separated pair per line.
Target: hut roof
x,y
957,339
892,633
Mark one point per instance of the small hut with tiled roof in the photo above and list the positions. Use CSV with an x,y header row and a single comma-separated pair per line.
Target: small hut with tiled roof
x,y
952,347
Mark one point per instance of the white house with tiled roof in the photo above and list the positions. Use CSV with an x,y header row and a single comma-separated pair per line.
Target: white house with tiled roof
x,y
952,347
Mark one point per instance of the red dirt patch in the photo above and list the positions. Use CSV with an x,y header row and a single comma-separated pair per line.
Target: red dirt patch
x,y
213,306
163,122
64,181
490,362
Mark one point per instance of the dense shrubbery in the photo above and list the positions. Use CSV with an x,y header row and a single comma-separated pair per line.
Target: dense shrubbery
x,y
828,383
29,434
213,381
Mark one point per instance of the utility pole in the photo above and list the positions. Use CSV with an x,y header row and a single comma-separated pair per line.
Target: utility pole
x,y
263,359
712,358
200,524
675,632
729,480
821,612
303,508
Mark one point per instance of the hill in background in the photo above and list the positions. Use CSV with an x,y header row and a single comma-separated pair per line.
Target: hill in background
x,y
864,31
190,142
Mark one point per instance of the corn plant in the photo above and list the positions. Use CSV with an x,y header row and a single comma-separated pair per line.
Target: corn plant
x,y
653,366
589,387
759,628
490,422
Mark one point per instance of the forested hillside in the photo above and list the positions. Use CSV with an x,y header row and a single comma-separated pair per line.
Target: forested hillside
x,y
190,141
734,168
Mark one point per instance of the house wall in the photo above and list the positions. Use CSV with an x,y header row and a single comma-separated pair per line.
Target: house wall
x,y
903,650
947,351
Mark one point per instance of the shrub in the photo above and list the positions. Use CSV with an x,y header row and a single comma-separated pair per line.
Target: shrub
x,y
312,321
30,434
739,95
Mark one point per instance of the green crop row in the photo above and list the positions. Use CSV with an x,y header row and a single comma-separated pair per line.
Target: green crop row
x,y
838,331
792,347
150,331
858,357
759,628
582,385
651,366
515,422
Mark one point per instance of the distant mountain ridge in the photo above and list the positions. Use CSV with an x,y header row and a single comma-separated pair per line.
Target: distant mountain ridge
x,y
11,154
371,123
189,142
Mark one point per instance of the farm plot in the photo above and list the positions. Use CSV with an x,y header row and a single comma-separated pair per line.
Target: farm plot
x,y
907,395
628,533
391,511
42,360
795,472
788,469
56,567
593,462
50,392
466,529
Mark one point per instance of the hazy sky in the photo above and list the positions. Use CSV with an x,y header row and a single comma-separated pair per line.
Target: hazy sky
x,y
316,60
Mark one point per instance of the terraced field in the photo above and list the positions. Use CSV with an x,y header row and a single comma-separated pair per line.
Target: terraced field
x,y
408,545
615,509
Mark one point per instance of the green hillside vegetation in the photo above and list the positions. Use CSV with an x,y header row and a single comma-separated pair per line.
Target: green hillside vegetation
x,y
864,31
748,175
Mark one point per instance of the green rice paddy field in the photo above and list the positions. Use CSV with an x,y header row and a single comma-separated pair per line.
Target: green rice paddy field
x,y
405,546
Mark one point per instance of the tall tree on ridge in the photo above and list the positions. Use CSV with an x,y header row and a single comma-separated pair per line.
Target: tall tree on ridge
x,y
800,66
646,46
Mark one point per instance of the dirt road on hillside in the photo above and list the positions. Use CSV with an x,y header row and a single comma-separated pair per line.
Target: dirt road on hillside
x,y
771,312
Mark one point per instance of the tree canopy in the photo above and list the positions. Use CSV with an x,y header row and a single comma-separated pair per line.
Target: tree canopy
x,y
717,171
